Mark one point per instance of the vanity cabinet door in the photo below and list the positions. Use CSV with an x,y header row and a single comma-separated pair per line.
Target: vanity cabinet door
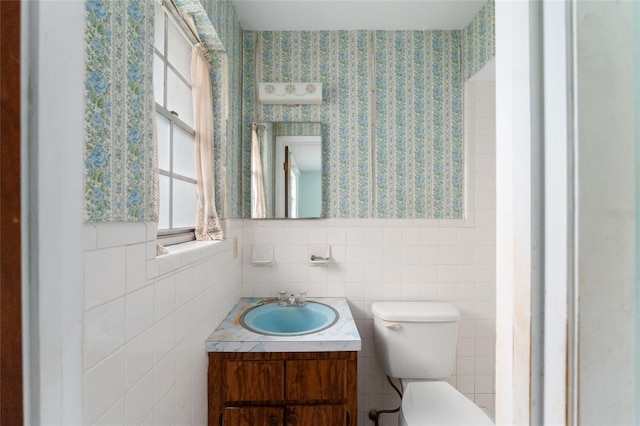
x,y
278,388
255,381
316,380
253,416
315,415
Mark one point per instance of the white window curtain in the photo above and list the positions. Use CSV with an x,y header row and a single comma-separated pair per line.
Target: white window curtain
x,y
258,201
207,222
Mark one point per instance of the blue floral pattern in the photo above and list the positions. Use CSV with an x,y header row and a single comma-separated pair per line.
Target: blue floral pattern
x,y
340,60
418,121
478,38
119,101
206,30
118,108
414,169
227,137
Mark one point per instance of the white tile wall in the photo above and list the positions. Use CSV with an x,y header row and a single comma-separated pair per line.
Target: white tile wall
x,y
146,321
378,259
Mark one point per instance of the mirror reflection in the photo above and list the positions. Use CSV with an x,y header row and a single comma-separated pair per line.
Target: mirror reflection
x,y
286,170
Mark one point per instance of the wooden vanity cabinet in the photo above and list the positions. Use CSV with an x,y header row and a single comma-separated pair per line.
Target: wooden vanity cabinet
x,y
278,389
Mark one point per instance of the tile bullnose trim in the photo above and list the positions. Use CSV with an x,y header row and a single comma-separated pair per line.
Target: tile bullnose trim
x,y
89,236
186,254
115,234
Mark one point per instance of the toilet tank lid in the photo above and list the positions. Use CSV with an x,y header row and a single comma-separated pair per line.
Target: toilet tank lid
x,y
415,311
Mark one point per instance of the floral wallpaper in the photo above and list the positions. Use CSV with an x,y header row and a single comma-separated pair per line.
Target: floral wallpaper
x,y
392,112
419,149
226,79
206,31
479,40
340,60
298,129
119,101
411,165
118,114
395,152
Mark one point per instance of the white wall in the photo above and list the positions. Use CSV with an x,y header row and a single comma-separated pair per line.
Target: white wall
x,y
53,120
146,320
394,259
607,111
114,335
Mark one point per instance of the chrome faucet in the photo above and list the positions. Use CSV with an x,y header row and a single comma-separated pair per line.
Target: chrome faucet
x,y
290,299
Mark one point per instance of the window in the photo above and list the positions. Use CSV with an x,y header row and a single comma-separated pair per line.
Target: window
x,y
176,137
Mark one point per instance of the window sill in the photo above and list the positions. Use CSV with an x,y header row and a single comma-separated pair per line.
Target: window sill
x,y
185,254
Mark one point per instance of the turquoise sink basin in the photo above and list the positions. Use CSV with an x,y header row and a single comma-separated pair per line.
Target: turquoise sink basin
x,y
275,320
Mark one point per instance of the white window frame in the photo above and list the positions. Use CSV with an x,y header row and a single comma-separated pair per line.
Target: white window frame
x,y
169,236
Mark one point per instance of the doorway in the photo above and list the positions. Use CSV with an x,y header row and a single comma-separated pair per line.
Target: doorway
x,y
11,387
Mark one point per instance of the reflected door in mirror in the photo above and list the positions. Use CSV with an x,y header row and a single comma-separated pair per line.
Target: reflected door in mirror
x,y
291,169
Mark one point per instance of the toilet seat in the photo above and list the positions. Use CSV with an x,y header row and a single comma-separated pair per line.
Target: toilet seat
x,y
439,404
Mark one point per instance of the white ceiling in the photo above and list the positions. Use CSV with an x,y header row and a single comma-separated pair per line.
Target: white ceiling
x,y
313,15
308,158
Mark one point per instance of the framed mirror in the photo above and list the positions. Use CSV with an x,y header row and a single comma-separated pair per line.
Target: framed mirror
x,y
286,170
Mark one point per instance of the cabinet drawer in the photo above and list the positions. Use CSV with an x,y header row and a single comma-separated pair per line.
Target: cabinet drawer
x,y
253,416
253,381
315,415
316,380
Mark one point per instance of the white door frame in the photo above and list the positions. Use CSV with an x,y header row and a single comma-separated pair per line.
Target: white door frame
x,y
534,193
281,142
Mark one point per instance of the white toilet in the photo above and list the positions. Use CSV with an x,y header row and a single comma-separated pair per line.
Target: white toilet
x,y
416,343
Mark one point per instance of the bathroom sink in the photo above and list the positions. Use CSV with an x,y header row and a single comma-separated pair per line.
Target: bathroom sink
x,y
275,320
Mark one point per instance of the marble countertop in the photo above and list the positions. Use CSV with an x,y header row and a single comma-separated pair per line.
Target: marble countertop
x,y
230,336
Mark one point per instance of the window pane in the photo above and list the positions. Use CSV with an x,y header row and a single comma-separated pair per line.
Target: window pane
x,y
158,79
178,199
179,98
185,199
158,41
164,148
179,51
183,153
164,203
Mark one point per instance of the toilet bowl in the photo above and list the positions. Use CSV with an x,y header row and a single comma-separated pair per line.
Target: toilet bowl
x,y
439,403
416,343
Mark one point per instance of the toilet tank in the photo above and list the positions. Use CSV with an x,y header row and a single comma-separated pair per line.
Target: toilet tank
x,y
415,340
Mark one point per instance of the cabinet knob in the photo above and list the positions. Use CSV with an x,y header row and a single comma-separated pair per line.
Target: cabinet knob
x,y
292,419
274,421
